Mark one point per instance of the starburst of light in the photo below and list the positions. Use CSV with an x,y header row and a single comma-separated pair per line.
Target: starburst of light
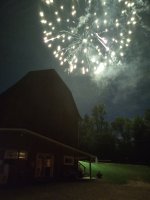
x,y
88,36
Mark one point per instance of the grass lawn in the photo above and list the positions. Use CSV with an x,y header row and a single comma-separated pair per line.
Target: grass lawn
x,y
120,173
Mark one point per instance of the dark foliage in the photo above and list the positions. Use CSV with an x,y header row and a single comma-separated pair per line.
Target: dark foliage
x,y
123,140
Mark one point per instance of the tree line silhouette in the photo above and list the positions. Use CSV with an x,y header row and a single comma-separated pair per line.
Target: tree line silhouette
x,y
122,140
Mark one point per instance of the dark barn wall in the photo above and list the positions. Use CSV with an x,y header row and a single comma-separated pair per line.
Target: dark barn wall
x,y
41,102
34,145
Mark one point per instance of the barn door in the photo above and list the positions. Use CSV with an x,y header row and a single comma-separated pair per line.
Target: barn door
x,y
44,165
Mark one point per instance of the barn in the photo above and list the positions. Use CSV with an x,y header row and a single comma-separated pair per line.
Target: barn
x,y
39,127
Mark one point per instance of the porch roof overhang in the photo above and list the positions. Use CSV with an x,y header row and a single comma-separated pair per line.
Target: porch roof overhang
x,y
82,154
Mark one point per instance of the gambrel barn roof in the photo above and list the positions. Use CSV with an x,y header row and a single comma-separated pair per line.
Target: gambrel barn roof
x,y
41,102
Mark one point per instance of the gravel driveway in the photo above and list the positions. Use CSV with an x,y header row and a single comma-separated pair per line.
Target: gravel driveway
x,y
84,190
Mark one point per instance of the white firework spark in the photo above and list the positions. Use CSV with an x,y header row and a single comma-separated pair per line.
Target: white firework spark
x,y
88,36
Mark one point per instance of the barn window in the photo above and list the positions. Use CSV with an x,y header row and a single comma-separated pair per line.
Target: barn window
x,y
68,160
11,154
22,155
14,154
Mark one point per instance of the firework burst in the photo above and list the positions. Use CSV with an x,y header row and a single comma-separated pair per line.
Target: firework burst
x,y
88,36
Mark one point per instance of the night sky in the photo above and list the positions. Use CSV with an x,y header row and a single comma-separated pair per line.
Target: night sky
x,y
126,93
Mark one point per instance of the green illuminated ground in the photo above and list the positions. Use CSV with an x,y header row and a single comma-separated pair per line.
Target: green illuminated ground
x,y
120,173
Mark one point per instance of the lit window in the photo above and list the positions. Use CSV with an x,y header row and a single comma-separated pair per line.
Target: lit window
x,y
48,163
22,155
68,160
14,154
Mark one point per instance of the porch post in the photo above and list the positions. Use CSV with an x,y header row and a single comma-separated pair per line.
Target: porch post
x,y
90,169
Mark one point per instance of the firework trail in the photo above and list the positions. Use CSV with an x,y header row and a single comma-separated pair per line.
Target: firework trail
x,y
89,36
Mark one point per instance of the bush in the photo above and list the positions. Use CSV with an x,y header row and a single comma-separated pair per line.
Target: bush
x,y
99,174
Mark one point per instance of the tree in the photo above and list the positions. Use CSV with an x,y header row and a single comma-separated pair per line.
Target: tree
x,y
86,135
122,130
122,140
96,136
106,146
98,116
141,134
138,128
147,135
